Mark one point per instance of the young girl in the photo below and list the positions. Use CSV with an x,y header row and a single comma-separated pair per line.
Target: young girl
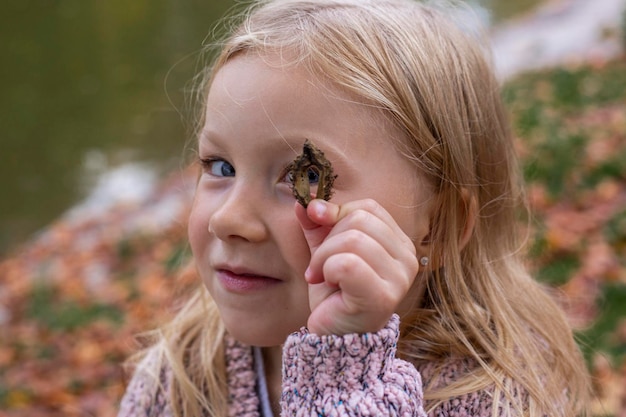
x,y
405,294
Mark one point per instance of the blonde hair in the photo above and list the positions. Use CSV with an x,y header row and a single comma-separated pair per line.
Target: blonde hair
x,y
435,82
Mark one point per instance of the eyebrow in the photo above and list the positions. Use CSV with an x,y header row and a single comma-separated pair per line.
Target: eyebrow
x,y
294,142
336,155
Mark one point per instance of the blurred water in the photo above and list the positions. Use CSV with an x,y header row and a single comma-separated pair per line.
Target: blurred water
x,y
86,87
92,93
559,33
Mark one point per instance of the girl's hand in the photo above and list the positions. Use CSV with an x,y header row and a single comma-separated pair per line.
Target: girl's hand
x,y
362,266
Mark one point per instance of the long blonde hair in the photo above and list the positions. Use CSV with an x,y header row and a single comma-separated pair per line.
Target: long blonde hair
x,y
435,82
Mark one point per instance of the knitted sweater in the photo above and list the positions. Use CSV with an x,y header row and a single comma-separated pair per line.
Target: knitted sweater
x,y
350,375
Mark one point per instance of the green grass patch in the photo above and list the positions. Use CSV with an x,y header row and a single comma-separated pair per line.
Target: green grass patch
x,y
564,91
612,168
554,161
65,315
601,336
545,106
179,255
559,270
615,230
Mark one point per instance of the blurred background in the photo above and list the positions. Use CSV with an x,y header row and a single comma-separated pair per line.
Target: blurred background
x,y
89,87
97,118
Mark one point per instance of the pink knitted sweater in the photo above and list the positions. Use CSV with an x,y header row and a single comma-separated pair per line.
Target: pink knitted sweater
x,y
351,375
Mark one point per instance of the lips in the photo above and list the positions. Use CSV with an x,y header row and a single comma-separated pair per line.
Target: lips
x,y
240,281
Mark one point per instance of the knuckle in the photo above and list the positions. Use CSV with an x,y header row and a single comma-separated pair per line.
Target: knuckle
x,y
341,265
385,300
412,265
411,273
361,218
371,205
352,239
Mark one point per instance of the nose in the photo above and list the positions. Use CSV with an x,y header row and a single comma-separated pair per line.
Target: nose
x,y
239,216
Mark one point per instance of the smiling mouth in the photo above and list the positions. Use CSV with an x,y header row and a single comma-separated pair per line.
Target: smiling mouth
x,y
244,282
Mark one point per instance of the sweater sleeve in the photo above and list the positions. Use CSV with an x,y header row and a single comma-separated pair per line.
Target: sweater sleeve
x,y
350,375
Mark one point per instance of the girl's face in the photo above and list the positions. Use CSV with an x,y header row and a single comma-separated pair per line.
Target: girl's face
x,y
248,245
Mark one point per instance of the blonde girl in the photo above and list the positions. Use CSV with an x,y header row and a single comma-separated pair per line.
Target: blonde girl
x,y
406,293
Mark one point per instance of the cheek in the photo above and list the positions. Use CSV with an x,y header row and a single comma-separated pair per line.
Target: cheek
x,y
197,224
291,242
412,210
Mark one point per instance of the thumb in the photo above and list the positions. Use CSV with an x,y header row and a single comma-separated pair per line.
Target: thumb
x,y
316,221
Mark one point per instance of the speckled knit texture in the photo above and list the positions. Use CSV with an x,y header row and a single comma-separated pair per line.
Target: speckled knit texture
x,y
352,375
473,404
241,377
145,395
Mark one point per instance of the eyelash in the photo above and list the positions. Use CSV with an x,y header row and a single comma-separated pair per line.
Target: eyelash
x,y
286,175
206,164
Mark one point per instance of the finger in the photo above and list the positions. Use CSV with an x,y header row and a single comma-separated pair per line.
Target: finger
x,y
323,212
305,221
371,206
363,233
314,232
377,278
357,280
329,214
399,268
363,302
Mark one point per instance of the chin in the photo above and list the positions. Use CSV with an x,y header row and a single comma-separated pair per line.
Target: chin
x,y
262,335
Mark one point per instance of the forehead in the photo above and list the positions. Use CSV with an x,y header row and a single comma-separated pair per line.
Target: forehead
x,y
253,75
276,89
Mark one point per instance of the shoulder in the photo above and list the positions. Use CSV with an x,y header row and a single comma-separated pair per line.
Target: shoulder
x,y
468,391
147,394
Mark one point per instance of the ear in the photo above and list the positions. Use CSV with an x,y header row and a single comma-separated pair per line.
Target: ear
x,y
424,245
468,214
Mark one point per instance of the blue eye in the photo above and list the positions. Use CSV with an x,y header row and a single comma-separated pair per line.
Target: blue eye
x,y
218,167
314,175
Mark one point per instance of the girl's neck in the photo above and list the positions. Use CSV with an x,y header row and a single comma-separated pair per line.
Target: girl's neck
x,y
272,362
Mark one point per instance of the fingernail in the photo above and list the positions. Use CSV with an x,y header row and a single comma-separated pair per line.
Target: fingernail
x,y
319,207
307,274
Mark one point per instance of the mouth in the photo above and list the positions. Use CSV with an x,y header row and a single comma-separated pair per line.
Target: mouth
x,y
240,281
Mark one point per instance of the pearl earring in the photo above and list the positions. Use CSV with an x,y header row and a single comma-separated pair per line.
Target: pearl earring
x,y
424,260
